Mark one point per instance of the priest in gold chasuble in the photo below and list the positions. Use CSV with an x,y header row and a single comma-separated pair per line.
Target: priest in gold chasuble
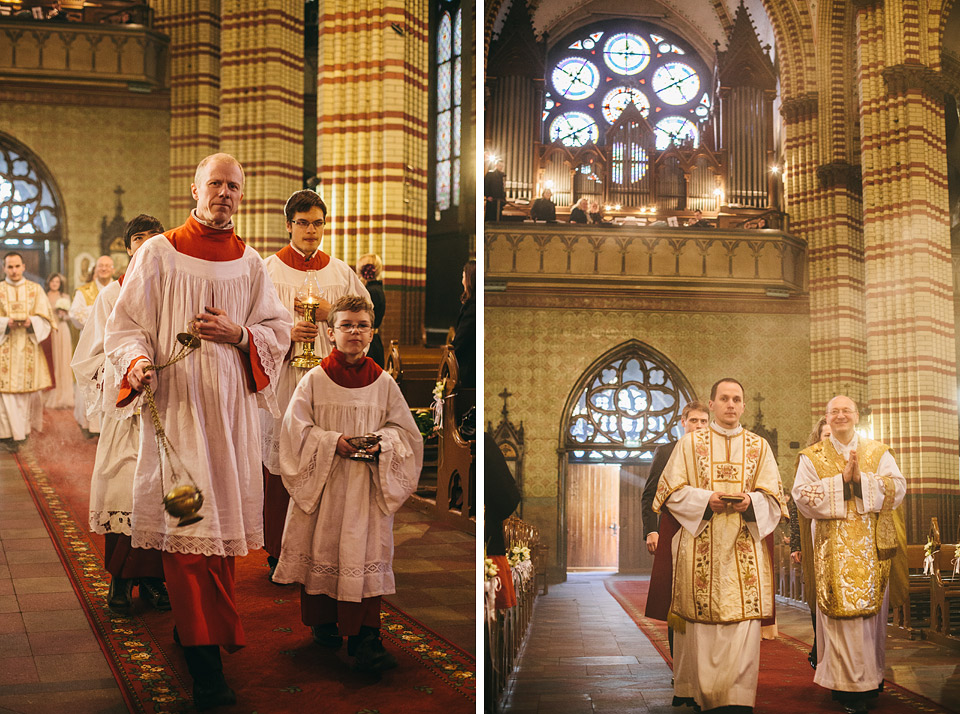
x,y
848,491
723,486
25,322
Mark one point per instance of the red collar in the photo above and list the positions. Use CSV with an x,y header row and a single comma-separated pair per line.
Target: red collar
x,y
195,239
362,374
291,257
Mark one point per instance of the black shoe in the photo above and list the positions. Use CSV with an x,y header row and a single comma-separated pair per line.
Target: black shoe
x,y
371,655
856,707
10,445
210,689
212,693
683,702
155,592
327,635
273,562
119,596
812,658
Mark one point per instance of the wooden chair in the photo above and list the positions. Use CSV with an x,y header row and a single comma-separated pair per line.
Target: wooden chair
x,y
915,614
392,363
945,608
456,493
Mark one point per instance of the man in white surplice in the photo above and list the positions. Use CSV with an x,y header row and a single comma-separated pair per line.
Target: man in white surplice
x,y
723,486
846,490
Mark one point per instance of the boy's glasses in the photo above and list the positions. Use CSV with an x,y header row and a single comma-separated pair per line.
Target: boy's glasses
x,y
318,224
363,328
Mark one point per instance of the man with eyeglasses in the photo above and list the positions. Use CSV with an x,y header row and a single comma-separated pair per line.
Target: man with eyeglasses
x,y
723,486
848,489
306,215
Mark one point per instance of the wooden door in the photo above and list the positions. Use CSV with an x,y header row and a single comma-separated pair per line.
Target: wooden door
x,y
634,557
593,517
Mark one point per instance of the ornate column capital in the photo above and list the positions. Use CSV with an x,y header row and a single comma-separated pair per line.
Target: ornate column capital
x,y
902,78
840,174
799,108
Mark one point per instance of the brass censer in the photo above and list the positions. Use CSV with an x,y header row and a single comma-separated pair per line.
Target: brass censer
x,y
184,500
309,296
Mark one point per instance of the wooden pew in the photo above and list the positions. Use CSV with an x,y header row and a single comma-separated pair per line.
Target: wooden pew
x,y
392,363
946,595
915,615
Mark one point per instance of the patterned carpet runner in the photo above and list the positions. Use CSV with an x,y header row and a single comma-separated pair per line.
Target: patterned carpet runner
x,y
785,684
280,670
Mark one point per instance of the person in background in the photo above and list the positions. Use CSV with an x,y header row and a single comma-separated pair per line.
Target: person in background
x,y
820,431
494,192
698,221
544,209
465,333
80,311
578,214
61,396
370,270
595,215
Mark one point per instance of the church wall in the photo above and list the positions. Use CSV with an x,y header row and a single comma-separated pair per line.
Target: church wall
x,y
90,150
538,354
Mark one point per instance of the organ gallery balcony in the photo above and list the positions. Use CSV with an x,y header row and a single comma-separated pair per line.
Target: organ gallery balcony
x,y
580,260
38,55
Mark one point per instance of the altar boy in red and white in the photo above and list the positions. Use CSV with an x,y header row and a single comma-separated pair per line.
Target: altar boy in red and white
x,y
338,540
306,216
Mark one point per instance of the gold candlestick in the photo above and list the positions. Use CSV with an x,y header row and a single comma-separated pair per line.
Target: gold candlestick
x,y
309,295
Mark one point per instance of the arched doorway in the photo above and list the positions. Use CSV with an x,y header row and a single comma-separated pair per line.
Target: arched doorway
x,y
622,407
31,211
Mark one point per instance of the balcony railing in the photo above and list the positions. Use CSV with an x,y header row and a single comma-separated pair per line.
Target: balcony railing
x,y
652,257
97,56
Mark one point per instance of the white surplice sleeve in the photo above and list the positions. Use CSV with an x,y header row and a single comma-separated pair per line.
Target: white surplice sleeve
x,y
307,452
133,327
88,359
766,510
269,324
818,498
41,329
79,310
872,493
401,453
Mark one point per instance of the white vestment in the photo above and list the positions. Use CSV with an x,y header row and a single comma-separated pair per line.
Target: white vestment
x,y
80,311
336,280
22,411
706,652
851,652
111,487
338,540
206,407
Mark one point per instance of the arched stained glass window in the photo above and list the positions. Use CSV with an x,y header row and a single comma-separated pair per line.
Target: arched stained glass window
x,y
595,72
626,405
31,217
449,102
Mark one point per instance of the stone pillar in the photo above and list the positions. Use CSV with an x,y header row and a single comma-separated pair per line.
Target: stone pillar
x,y
194,30
372,129
261,100
909,298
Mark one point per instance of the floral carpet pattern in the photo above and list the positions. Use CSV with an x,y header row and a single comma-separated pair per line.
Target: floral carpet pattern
x,y
785,683
280,670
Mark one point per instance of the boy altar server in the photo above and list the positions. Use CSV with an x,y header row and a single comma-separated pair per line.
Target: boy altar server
x,y
338,539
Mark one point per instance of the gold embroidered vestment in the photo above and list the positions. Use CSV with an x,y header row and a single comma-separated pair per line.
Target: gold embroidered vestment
x,y
23,367
723,574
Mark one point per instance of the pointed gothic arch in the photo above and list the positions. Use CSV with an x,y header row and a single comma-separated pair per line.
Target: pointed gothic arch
x,y
32,218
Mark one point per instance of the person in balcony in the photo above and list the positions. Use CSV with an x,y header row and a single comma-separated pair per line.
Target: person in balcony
x,y
544,209
578,214
595,215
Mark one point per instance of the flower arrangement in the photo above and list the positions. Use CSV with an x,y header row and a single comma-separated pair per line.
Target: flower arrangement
x,y
956,560
490,569
62,303
437,405
928,548
424,419
928,551
517,555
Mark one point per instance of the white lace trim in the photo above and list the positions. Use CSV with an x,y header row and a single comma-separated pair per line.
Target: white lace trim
x,y
103,522
173,543
92,391
305,560
267,397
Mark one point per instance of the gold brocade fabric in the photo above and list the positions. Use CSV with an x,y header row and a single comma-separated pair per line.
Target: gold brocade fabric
x,y
89,292
850,574
722,575
23,368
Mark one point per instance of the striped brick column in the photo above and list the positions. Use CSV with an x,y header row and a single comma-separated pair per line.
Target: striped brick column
x,y
194,30
372,144
909,297
824,209
261,110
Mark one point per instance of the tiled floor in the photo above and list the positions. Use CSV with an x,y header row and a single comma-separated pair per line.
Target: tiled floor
x,y
51,662
49,658
585,654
